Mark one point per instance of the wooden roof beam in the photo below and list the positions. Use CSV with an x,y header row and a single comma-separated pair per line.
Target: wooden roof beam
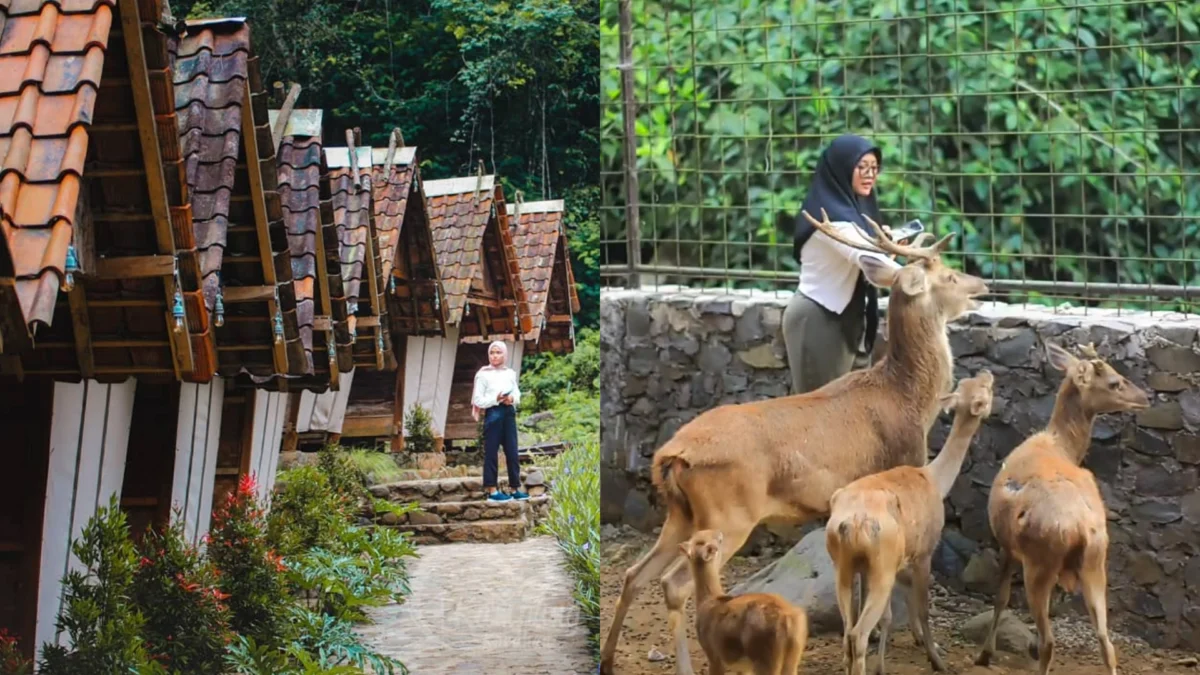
x,y
261,222
139,80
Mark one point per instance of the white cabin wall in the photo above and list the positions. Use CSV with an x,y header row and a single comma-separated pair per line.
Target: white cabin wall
x,y
89,439
270,411
325,411
428,374
196,445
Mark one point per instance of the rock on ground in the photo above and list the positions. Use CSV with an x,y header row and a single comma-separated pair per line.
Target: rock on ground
x,y
1011,635
806,577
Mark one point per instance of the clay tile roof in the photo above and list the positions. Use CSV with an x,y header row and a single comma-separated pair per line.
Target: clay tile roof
x,y
458,222
308,215
361,262
391,199
51,57
537,233
352,214
213,68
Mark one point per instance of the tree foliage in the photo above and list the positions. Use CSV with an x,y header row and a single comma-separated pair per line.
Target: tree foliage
x,y
512,82
1034,130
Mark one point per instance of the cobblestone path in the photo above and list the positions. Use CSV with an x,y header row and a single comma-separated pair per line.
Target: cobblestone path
x,y
486,609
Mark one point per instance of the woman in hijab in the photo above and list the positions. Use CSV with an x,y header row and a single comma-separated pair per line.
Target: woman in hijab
x,y
835,311
496,395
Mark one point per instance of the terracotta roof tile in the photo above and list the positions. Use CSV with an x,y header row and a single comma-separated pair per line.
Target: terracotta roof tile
x,y
359,249
301,172
51,57
459,220
213,68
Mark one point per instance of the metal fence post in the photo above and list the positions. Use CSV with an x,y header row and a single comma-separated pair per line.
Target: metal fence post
x,y
632,229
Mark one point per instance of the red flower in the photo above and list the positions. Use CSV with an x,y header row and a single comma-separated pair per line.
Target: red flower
x,y
247,484
146,562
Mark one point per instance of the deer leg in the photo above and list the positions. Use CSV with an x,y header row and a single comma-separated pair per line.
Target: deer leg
x,y
919,600
794,654
904,578
675,531
1039,586
845,598
885,632
1007,568
715,665
877,594
1094,580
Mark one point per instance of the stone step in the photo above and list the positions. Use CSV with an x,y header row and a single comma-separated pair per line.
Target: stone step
x,y
482,531
435,513
464,489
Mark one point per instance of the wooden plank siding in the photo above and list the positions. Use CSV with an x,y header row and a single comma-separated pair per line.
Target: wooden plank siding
x,y
89,437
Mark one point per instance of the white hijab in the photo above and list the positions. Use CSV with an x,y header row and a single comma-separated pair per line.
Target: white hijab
x,y
503,348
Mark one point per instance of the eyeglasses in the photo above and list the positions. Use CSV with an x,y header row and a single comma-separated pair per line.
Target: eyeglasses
x,y
868,169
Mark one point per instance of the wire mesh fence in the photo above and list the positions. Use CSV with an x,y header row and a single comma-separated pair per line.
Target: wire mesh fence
x,y
1060,141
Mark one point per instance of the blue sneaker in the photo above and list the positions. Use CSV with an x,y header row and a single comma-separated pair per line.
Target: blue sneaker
x,y
517,494
498,496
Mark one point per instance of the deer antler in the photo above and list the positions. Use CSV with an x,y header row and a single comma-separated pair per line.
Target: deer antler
x,y
826,228
880,243
885,243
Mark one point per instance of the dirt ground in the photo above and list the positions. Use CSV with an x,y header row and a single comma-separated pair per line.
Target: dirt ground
x,y
646,648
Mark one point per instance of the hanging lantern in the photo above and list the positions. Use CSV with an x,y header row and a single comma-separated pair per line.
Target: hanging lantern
x,y
220,307
437,300
329,348
278,327
392,284
177,310
72,267
379,340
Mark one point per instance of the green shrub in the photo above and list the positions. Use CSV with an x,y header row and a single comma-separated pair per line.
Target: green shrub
x,y
187,621
547,377
103,627
251,573
575,521
306,511
377,467
419,425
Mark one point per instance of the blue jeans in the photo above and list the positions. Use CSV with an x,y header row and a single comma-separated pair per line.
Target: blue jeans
x,y
500,427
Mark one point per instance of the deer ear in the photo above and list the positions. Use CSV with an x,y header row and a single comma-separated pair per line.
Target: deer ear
x,y
1059,357
878,272
710,552
913,280
948,401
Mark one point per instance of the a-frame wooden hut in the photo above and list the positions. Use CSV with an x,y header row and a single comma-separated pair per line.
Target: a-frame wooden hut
x,y
375,406
484,298
540,237
110,337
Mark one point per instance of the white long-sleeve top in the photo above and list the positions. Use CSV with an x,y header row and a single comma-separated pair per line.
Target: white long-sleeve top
x,y
491,382
829,269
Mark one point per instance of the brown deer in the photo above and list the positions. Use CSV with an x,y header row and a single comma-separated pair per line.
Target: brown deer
x,y
738,465
759,629
889,522
1045,510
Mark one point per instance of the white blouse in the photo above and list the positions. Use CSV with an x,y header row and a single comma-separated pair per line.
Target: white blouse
x,y
829,269
490,382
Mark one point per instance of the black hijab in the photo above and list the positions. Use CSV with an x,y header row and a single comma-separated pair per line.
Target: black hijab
x,y
832,190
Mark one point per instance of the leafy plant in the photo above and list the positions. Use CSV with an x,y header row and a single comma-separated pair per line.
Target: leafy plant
x,y
419,425
575,521
251,573
187,621
12,661
103,627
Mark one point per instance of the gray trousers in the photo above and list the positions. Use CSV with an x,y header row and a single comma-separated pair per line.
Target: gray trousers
x,y
822,345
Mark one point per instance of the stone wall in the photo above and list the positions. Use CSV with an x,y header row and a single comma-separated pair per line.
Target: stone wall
x,y
669,355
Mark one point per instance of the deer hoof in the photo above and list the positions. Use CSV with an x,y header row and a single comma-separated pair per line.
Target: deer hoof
x,y
984,659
